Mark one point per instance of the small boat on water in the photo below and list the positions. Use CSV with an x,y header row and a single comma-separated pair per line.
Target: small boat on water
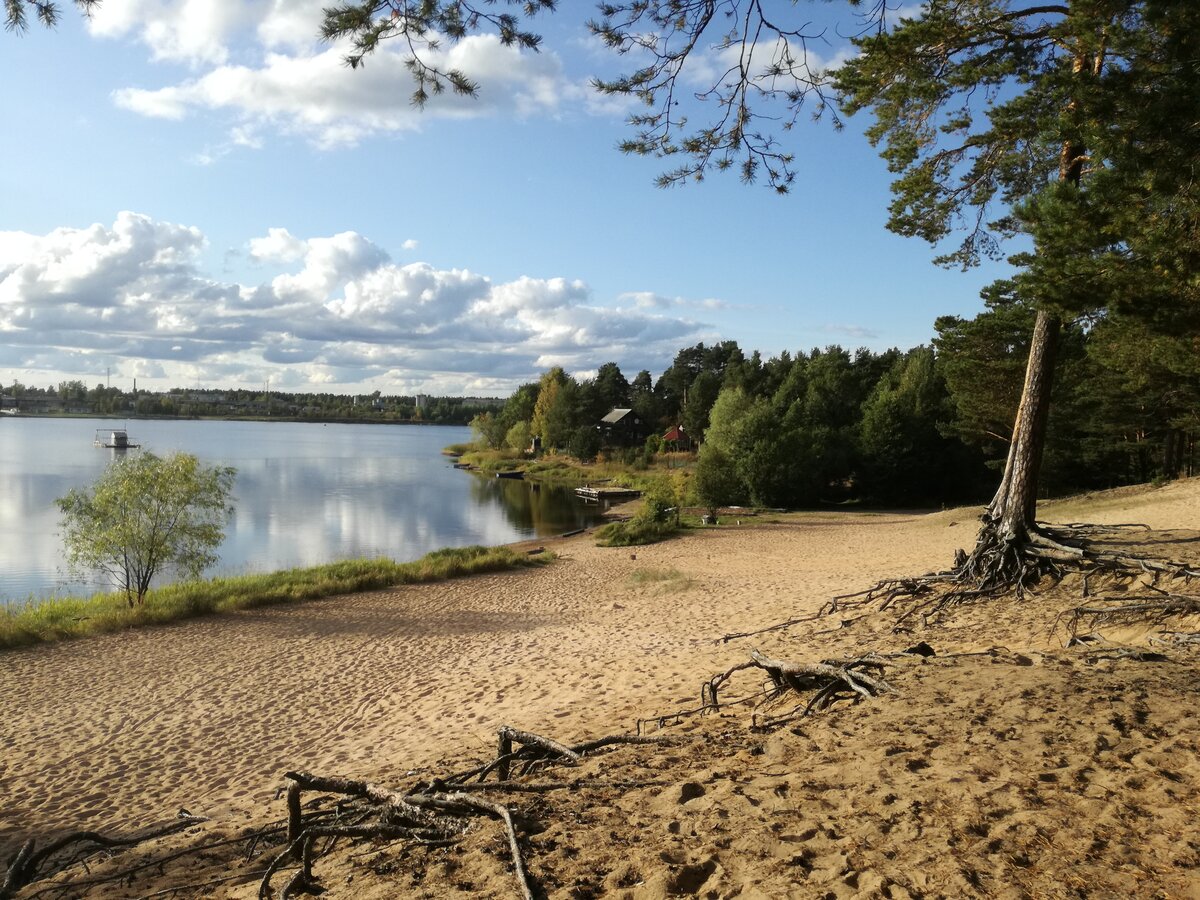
x,y
115,439
515,473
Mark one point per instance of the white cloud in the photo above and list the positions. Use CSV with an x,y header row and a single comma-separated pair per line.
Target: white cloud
x,y
191,31
312,92
410,244
133,295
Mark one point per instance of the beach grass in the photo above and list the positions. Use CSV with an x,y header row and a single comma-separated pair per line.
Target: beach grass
x,y
635,532
55,619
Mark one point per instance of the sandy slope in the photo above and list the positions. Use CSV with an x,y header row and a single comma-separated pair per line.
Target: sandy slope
x,y
1027,771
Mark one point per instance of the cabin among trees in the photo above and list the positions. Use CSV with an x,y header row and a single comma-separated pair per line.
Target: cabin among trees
x,y
675,439
622,428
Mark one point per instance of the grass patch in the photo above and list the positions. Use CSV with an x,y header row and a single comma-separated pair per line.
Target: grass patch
x,y
635,532
70,617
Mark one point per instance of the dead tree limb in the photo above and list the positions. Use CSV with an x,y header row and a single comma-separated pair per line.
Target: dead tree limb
x,y
26,866
830,679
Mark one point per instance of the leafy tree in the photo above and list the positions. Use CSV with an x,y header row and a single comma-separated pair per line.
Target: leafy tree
x,y
548,389
488,430
700,398
644,401
904,456
146,514
716,483
519,436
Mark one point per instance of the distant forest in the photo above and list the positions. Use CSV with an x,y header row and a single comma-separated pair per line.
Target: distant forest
x,y
927,425
76,398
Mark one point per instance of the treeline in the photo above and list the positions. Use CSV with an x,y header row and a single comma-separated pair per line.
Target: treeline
x,y
75,398
924,426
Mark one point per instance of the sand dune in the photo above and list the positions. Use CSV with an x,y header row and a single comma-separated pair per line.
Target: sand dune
x,y
1005,771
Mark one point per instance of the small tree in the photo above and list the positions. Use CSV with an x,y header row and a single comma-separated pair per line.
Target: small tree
x,y
716,482
147,513
519,437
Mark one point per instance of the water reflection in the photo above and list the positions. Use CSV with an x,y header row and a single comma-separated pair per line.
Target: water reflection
x,y
306,494
535,508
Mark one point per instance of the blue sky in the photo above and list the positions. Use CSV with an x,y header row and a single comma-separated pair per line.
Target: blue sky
x,y
196,192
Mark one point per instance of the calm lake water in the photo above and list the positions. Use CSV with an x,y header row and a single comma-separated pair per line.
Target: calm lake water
x,y
306,494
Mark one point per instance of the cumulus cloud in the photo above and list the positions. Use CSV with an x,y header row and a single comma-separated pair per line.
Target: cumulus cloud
x,y
260,62
337,309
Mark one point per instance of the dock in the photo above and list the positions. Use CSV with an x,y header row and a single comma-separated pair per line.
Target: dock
x,y
587,492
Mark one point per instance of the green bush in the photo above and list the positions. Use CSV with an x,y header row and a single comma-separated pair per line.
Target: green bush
x,y
635,532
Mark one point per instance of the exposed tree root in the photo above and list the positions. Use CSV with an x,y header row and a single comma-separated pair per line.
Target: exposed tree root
x,y
830,680
27,865
1178,638
434,812
1153,606
1042,556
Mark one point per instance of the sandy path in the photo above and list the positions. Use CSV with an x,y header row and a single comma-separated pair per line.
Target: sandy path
x,y
124,729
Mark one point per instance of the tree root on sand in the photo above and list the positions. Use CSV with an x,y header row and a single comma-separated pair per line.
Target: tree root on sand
x,y
830,680
27,865
435,812
1042,557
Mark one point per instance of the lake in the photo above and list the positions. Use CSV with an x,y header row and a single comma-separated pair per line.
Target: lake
x,y
306,494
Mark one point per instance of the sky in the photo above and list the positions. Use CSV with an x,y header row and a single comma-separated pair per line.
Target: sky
x,y
199,193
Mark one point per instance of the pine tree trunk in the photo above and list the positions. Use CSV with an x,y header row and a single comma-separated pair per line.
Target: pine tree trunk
x,y
1015,505
1010,517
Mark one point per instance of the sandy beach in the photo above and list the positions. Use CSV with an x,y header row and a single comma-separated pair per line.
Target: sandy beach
x,y
1027,769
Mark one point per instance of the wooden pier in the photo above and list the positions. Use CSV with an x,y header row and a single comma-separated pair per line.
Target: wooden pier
x,y
587,492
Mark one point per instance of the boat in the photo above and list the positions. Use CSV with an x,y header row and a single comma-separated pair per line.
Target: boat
x,y
115,439
514,473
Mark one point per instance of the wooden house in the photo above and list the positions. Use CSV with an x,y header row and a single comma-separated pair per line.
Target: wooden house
x,y
622,428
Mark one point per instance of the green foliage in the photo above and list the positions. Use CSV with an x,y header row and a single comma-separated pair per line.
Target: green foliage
x,y
489,431
660,502
716,483
547,421
421,27
518,437
58,619
905,457
584,443
634,533
146,514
